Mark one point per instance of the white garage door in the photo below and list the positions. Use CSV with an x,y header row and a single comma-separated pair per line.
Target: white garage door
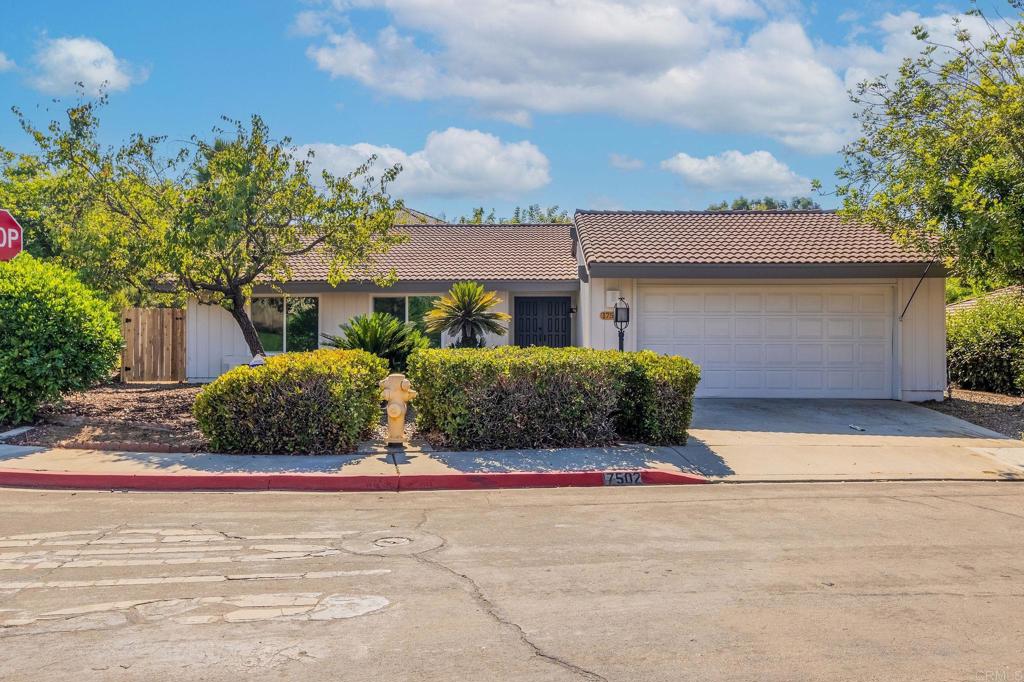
x,y
796,341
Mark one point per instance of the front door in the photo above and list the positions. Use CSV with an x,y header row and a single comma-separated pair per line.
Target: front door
x,y
543,321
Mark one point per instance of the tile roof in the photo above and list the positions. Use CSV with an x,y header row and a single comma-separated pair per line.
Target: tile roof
x,y
447,252
737,237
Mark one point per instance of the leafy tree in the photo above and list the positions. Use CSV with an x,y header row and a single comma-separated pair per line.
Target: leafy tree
x,y
766,203
216,217
939,164
533,213
466,311
383,335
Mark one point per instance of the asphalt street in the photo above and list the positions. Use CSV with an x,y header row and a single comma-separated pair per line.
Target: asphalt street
x,y
886,581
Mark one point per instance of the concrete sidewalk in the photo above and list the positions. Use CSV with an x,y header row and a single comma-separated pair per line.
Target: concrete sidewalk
x,y
372,468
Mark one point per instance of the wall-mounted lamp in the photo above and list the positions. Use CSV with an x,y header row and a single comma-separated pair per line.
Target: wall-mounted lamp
x,y
621,319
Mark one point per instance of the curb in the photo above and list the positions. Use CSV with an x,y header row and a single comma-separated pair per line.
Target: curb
x,y
327,482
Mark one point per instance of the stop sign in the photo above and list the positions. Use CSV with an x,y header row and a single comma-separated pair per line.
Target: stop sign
x,y
11,236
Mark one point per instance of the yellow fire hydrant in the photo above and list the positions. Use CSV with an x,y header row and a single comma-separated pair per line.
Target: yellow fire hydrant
x,y
397,391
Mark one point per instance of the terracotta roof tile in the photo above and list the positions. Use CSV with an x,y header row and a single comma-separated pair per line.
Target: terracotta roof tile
x,y
447,252
739,237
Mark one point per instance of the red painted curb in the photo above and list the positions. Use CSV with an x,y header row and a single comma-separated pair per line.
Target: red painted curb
x,y
325,482
533,479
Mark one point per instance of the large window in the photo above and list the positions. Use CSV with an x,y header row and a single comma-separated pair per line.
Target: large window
x,y
408,309
287,324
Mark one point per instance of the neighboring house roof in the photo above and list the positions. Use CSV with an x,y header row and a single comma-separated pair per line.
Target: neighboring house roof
x,y
409,216
1016,290
793,237
441,252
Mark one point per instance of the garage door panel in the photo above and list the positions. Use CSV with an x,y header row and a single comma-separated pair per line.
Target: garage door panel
x,y
718,355
778,328
748,327
749,354
718,303
778,303
842,303
809,303
748,303
691,327
776,340
841,328
841,353
718,327
809,327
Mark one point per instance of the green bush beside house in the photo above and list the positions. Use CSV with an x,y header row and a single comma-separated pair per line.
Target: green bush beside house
x,y
511,397
318,402
58,335
985,346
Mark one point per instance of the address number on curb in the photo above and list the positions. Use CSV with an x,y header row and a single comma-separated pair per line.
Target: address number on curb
x,y
623,478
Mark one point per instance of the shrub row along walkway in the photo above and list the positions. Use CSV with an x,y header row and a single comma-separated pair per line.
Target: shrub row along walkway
x,y
372,468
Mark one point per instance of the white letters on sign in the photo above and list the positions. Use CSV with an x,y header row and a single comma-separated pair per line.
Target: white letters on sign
x,y
8,237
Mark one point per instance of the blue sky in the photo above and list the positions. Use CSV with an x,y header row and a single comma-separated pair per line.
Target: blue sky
x,y
605,104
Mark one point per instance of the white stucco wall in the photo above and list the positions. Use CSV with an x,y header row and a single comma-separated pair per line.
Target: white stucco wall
x,y
214,344
921,339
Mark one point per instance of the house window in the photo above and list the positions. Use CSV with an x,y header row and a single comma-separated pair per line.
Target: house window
x,y
408,309
287,324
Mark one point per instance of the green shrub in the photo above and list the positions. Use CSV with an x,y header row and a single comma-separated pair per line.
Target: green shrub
x,y
383,335
985,346
319,402
58,336
512,397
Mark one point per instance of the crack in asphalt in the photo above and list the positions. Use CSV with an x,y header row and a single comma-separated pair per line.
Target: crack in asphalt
x,y
491,609
62,562
978,506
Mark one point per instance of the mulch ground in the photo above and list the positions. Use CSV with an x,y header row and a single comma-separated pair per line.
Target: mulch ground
x,y
132,415
144,417
1001,413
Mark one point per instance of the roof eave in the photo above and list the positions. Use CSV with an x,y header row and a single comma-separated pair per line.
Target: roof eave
x,y
762,270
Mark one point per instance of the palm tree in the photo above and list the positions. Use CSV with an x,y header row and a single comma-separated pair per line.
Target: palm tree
x,y
465,311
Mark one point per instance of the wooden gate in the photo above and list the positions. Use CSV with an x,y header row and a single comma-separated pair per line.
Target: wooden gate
x,y
154,344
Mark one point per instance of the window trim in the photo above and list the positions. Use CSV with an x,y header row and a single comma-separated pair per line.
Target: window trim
x,y
284,319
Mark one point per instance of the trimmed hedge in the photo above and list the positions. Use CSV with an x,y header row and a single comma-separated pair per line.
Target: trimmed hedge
x,y
985,346
319,402
511,397
58,336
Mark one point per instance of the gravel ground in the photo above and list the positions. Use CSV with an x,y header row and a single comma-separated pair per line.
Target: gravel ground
x,y
1002,413
134,417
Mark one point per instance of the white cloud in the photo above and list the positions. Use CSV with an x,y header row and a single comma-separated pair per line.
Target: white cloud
x,y
62,63
624,162
691,64
755,173
453,162
6,63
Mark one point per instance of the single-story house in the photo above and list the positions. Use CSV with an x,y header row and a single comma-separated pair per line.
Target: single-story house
x,y
787,304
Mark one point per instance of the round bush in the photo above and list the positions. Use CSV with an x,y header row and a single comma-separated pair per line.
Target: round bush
x,y
510,397
57,336
985,346
319,402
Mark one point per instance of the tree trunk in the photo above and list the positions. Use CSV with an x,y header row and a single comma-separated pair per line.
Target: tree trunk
x,y
252,339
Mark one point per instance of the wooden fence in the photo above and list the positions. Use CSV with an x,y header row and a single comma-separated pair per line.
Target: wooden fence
x,y
154,344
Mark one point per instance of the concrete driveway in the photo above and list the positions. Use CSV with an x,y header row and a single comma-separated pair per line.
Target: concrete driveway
x,y
773,440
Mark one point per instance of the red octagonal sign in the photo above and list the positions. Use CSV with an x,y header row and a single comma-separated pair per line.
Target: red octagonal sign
x,y
11,236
